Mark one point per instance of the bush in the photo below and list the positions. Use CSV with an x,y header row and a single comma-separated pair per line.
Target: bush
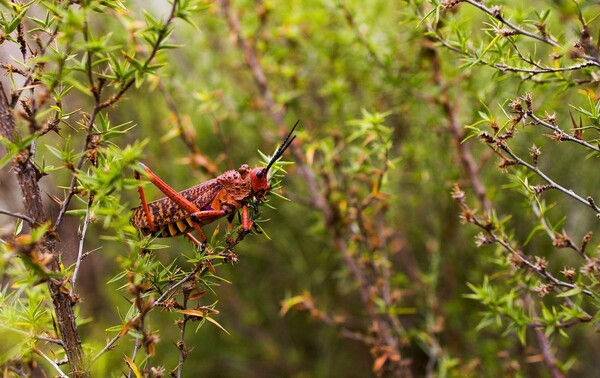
x,y
414,117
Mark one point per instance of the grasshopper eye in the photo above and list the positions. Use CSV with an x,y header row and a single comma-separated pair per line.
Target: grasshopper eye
x,y
260,174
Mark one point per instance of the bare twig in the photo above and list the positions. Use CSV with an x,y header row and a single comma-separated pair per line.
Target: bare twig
x,y
50,340
562,135
136,349
37,337
52,363
18,215
183,352
555,185
542,70
80,254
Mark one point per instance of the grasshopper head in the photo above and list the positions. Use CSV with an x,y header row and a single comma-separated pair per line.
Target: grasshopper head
x,y
259,176
260,183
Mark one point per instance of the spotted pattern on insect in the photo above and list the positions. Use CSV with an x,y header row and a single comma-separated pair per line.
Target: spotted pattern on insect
x,y
176,215
172,220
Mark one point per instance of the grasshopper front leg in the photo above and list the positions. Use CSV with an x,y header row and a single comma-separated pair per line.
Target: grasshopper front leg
x,y
246,221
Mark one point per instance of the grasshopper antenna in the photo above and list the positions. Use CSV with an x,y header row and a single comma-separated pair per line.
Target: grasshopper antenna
x,y
286,143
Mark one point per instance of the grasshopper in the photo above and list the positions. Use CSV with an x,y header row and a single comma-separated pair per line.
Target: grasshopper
x,y
181,213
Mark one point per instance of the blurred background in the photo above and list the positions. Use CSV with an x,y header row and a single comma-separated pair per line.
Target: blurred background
x,y
367,267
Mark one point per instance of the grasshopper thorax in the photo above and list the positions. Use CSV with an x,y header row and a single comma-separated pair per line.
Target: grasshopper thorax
x,y
259,182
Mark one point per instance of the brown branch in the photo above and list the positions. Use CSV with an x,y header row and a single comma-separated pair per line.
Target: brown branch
x,y
586,201
27,177
18,215
464,152
544,344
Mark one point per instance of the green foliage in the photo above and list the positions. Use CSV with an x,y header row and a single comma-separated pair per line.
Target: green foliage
x,y
366,268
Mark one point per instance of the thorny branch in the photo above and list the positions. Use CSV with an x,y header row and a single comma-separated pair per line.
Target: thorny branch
x,y
559,133
168,292
586,201
496,12
96,88
163,33
199,269
518,257
538,69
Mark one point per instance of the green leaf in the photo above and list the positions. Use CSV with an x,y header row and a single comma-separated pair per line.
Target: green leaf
x,y
14,23
569,293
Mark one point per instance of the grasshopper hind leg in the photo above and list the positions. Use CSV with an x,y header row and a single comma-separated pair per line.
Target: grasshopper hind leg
x,y
147,212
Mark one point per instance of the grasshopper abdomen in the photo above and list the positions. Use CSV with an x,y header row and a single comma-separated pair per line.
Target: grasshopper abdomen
x,y
169,219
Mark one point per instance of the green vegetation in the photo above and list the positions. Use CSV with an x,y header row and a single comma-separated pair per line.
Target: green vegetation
x,y
435,217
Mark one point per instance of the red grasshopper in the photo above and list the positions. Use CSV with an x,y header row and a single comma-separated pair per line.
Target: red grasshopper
x,y
183,212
